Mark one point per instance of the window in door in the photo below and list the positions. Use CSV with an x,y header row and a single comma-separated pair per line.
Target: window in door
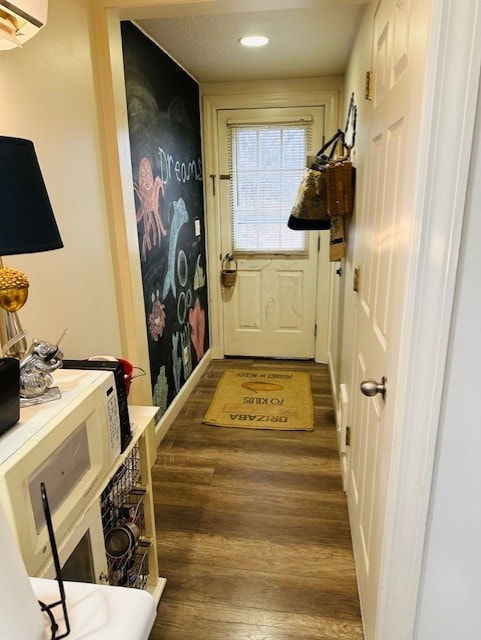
x,y
267,162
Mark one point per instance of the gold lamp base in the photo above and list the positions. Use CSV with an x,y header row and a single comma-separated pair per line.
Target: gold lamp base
x,y
13,299
12,337
13,295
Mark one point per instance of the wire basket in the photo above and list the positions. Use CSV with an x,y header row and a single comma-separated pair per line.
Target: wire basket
x,y
124,481
121,507
132,570
139,576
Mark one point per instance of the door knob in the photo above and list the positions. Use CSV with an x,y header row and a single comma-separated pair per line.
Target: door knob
x,y
371,387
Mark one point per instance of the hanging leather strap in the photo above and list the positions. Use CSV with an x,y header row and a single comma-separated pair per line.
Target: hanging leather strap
x,y
350,123
336,138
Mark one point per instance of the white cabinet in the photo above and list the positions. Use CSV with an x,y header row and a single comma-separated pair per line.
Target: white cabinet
x,y
101,492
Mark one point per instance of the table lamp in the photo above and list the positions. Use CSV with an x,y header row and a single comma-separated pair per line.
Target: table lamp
x,y
27,225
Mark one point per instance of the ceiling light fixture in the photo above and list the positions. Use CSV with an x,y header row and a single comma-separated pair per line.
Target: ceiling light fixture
x,y
254,41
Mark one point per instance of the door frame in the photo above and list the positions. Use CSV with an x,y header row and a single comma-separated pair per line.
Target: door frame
x,y
279,341
256,95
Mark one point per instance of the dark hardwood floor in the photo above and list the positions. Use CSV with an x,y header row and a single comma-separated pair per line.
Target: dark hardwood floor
x,y
252,526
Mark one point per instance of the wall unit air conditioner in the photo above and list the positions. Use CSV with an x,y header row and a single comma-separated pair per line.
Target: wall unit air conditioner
x,y
21,20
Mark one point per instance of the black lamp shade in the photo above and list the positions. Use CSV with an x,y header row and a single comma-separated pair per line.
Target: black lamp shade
x,y
27,222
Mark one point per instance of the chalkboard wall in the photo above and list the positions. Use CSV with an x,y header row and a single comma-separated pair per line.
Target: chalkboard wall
x,y
164,130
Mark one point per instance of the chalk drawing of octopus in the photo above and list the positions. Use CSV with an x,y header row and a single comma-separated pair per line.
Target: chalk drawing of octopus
x,y
148,191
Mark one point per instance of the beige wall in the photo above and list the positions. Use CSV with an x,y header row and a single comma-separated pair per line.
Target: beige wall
x,y
47,90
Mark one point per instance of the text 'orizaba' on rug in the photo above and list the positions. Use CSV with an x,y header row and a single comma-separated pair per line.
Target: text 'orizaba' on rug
x,y
262,400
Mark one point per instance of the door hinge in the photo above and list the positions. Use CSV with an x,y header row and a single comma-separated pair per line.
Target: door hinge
x,y
355,279
213,177
348,436
315,331
368,86
318,243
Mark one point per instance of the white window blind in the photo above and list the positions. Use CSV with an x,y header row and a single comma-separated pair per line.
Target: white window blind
x,y
267,162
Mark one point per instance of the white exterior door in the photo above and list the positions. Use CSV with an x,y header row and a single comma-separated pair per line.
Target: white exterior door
x,y
271,310
385,228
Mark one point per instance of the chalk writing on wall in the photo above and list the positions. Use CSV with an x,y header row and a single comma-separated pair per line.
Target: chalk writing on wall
x,y
164,132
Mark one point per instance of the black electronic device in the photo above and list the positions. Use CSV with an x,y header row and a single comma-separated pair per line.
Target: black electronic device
x,y
119,376
9,393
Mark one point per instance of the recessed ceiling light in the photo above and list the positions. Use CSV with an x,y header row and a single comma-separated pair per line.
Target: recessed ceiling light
x,y
254,41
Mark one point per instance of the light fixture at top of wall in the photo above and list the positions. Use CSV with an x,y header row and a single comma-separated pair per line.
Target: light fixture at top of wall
x,y
254,41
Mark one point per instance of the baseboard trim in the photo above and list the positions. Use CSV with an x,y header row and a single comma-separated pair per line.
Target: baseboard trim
x,y
339,406
334,390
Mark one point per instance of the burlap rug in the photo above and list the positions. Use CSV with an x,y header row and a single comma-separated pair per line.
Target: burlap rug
x,y
262,400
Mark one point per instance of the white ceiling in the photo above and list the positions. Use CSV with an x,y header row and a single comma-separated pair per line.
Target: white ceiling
x,y
308,38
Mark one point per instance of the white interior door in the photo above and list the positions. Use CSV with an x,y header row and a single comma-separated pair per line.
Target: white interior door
x,y
385,226
271,310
